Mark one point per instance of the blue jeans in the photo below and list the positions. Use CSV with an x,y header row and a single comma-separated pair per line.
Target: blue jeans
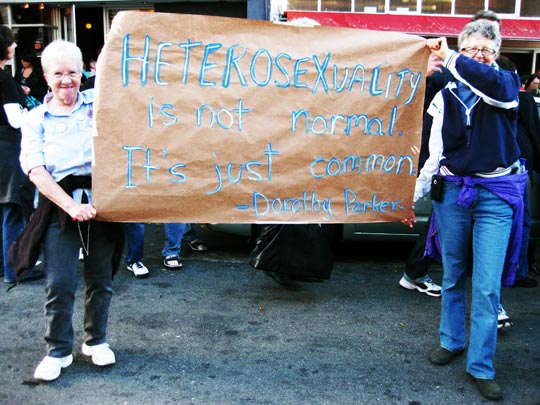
x,y
190,234
173,238
13,222
523,269
134,241
61,269
473,238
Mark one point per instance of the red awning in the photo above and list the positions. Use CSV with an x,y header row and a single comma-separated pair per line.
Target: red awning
x,y
424,25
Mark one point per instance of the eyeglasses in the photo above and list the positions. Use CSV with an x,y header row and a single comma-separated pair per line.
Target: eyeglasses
x,y
70,75
474,51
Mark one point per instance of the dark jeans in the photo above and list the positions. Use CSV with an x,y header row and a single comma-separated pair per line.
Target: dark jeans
x,y
417,265
190,234
174,234
134,241
61,269
12,221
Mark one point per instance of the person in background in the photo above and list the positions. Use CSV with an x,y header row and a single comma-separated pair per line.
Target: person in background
x,y
532,83
30,76
56,153
16,192
135,249
478,212
175,234
528,138
170,253
192,239
91,72
416,275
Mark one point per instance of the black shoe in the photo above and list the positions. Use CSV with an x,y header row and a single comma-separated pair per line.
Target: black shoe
x,y
197,245
283,280
33,276
440,356
488,389
307,279
534,268
526,283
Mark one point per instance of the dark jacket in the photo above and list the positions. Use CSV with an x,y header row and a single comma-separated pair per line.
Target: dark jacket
x,y
25,251
528,132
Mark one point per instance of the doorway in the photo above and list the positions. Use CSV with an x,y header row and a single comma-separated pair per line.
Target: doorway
x,y
90,32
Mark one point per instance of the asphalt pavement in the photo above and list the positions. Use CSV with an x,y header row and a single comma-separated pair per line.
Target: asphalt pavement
x,y
221,332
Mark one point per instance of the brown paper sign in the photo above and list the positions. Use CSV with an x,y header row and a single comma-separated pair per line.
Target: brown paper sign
x,y
211,119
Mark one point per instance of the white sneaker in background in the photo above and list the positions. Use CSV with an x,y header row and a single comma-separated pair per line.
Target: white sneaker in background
x,y
138,269
503,319
426,287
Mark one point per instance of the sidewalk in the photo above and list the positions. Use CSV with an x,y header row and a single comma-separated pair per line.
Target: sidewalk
x,y
220,332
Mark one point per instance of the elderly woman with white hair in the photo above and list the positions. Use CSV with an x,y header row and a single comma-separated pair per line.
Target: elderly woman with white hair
x,y
57,156
474,157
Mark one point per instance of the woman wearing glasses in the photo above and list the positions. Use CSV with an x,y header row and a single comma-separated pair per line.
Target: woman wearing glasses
x,y
57,156
473,150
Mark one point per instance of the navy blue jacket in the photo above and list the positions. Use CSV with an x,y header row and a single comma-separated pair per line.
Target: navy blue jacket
x,y
488,140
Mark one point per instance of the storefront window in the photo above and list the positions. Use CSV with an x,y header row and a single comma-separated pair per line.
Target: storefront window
x,y
30,13
437,6
468,7
32,25
369,6
530,8
3,15
504,6
304,5
335,5
403,5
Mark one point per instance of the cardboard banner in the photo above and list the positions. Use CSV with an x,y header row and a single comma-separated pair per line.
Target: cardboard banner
x,y
223,120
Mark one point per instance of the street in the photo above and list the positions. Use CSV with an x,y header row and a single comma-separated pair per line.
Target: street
x,y
221,332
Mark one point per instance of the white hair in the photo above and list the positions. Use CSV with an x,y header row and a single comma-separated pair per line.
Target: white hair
x,y
61,50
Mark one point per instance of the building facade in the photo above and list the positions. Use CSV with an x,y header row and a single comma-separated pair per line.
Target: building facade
x,y
429,18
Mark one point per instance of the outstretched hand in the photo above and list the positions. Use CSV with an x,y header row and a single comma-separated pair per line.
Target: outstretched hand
x,y
438,47
411,220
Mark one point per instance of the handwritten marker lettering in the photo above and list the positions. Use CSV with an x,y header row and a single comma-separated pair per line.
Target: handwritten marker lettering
x,y
322,167
355,206
309,72
308,203
262,134
248,169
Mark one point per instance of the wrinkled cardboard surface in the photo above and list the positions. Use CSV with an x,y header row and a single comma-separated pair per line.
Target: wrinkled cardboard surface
x,y
150,120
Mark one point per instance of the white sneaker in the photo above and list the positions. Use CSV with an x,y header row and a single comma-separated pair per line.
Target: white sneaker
x,y
50,367
101,354
503,319
427,287
81,255
138,269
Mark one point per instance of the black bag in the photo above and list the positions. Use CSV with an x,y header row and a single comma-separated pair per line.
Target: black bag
x,y
437,188
300,251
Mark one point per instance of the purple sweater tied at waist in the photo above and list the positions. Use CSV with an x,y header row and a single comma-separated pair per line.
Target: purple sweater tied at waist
x,y
510,189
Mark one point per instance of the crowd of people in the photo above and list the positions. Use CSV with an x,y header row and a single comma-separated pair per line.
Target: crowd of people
x,y
480,146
